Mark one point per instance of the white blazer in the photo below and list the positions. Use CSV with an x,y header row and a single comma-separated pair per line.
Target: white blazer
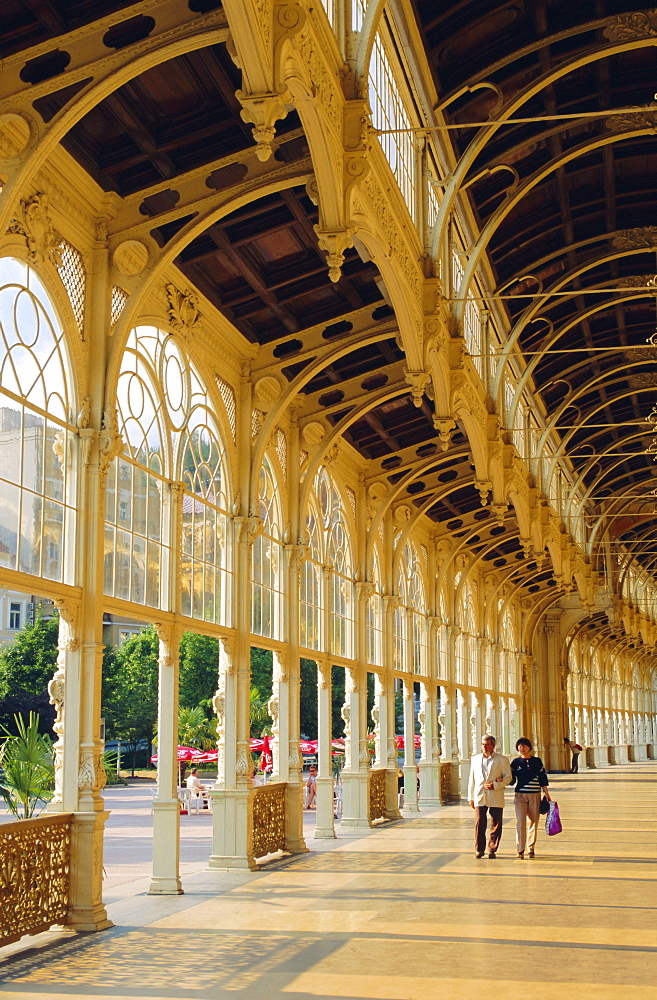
x,y
499,768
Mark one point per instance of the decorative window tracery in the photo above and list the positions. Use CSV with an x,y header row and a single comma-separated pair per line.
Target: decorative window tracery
x,y
375,616
170,436
267,594
410,623
327,574
37,488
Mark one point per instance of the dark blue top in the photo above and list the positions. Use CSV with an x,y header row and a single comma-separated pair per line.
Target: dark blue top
x,y
528,774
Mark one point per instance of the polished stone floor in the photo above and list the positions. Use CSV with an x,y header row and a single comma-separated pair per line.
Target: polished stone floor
x,y
404,912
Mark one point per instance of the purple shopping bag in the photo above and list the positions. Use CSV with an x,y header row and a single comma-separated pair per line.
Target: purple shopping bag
x,y
553,820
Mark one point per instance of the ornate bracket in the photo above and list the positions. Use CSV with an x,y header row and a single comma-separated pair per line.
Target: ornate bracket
x,y
418,382
261,111
444,426
334,242
483,487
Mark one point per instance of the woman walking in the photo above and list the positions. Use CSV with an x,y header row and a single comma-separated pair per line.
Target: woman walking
x,y
531,781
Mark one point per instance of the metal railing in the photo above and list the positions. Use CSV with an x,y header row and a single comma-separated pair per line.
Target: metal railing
x,y
267,820
35,875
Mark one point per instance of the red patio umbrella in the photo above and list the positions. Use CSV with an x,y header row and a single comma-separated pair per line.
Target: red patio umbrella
x,y
266,760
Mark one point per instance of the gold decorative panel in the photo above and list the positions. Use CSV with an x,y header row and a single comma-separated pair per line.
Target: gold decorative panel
x,y
377,795
35,862
268,819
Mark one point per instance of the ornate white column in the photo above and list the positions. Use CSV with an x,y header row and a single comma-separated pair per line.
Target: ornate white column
x,y
76,686
79,772
430,757
290,709
278,706
230,834
354,774
325,826
165,879
410,767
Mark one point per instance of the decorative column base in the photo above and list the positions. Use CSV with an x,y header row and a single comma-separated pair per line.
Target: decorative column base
x,y
639,751
621,754
354,797
165,880
410,789
294,841
429,791
450,790
230,829
392,794
86,909
601,756
325,826
464,777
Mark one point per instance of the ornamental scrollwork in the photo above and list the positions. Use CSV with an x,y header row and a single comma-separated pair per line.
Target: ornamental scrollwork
x,y
110,442
632,121
35,225
635,239
631,26
184,313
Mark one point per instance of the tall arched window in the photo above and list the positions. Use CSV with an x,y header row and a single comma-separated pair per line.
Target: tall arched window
x,y
170,436
312,605
267,602
341,603
411,616
37,488
327,573
375,616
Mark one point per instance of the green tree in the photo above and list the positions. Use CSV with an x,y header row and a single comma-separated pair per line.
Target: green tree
x,y
262,665
25,669
199,669
308,700
31,660
338,692
259,717
129,694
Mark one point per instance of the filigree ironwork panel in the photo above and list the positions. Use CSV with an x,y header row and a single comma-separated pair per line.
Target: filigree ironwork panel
x,y
268,819
35,863
377,795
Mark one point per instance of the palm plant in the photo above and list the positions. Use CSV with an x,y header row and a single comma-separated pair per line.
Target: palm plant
x,y
258,712
195,729
27,768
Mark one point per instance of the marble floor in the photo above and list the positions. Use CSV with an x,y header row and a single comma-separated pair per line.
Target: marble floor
x,y
403,912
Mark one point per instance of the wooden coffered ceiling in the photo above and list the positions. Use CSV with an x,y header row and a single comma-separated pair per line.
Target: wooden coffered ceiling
x,y
576,187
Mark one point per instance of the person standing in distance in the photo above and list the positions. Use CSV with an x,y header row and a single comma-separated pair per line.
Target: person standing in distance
x,y
576,750
531,783
489,773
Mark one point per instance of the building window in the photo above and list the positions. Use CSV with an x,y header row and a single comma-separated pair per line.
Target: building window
x,y
14,615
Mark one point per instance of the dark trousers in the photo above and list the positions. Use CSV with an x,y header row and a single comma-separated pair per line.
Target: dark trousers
x,y
481,822
575,768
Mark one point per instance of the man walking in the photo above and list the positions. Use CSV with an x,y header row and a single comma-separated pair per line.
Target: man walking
x,y
489,773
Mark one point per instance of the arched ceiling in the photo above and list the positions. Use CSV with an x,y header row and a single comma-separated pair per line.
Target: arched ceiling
x,y
570,202
572,243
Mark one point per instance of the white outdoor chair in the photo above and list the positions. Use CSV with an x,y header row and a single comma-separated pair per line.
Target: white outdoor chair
x,y
337,801
194,799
